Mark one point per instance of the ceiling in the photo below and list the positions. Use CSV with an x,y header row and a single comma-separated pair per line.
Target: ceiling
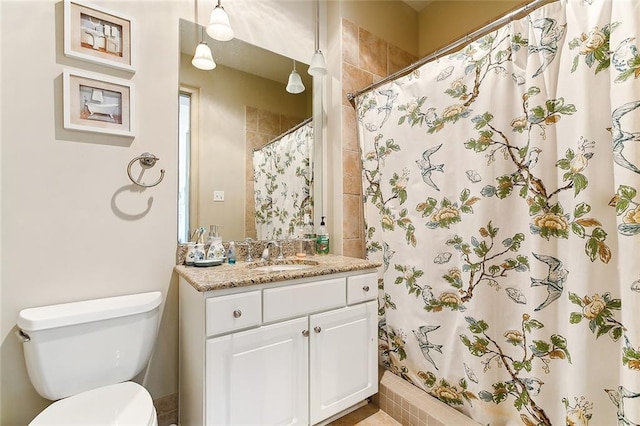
x,y
418,5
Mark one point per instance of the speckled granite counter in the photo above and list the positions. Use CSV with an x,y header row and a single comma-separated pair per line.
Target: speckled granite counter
x,y
244,274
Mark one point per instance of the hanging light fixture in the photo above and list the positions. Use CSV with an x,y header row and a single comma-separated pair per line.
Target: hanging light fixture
x,y
295,81
318,66
202,59
219,27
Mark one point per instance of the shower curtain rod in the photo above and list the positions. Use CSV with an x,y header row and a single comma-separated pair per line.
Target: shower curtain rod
x,y
521,11
291,130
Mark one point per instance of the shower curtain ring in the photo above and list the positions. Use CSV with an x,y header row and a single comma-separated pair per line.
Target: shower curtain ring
x,y
147,161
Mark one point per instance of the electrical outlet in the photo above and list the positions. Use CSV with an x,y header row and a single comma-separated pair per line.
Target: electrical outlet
x,y
218,195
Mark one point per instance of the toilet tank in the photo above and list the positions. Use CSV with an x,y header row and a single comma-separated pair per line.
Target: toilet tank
x,y
74,347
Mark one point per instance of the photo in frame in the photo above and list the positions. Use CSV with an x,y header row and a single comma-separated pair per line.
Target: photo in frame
x,y
98,35
98,103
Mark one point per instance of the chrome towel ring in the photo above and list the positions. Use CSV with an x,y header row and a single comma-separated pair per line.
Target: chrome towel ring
x,y
147,161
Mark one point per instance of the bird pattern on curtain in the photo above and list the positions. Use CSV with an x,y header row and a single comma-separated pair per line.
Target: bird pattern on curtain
x,y
283,182
501,195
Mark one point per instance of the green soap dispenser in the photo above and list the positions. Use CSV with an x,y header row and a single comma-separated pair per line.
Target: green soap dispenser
x,y
322,238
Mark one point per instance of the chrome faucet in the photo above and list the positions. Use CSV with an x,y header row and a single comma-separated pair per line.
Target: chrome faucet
x,y
247,244
265,253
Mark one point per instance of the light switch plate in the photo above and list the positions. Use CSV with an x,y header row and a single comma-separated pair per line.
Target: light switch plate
x,y
218,195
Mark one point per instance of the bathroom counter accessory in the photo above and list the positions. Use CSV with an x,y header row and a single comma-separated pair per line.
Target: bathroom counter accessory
x,y
208,262
244,274
147,161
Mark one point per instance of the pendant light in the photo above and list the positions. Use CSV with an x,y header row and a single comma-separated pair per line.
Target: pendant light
x,y
219,27
202,59
318,66
295,81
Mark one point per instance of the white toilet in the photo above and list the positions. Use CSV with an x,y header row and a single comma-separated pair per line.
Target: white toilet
x,y
83,354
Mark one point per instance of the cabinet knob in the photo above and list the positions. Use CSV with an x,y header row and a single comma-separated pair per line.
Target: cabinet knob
x,y
305,333
365,288
317,329
237,313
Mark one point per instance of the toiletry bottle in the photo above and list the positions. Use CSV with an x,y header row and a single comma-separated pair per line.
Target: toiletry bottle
x,y
309,236
322,239
231,254
308,227
300,228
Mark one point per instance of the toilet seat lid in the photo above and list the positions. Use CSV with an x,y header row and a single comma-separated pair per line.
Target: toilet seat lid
x,y
125,403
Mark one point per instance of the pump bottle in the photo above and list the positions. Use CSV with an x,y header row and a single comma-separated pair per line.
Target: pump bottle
x,y
322,238
231,255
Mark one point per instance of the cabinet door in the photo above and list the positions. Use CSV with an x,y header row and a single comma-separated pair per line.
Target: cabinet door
x,y
259,377
343,359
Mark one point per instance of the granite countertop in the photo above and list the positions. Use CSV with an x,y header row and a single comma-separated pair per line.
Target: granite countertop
x,y
244,273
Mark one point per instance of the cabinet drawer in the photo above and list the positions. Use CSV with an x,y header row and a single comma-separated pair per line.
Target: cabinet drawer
x,y
362,287
301,299
233,312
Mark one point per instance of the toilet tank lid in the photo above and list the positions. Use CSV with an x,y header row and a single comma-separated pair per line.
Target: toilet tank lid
x,y
52,316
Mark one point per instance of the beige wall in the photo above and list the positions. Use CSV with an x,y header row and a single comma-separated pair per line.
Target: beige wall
x,y
224,93
392,21
443,22
73,226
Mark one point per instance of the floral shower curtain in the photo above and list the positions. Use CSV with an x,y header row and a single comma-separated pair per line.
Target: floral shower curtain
x,y
501,188
283,182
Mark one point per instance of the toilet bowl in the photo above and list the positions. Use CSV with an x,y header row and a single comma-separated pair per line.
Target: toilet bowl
x,y
84,354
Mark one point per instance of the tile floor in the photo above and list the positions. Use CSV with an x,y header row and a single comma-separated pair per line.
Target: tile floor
x,y
369,415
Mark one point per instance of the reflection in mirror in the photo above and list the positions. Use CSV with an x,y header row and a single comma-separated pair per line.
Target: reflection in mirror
x,y
283,184
226,116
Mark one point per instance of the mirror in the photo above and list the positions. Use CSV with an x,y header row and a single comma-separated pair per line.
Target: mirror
x,y
226,114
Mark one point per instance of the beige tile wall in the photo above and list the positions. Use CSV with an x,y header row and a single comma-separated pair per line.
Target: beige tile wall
x,y
411,406
261,127
366,58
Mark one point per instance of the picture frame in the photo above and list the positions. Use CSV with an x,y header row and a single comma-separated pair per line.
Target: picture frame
x,y
98,103
98,35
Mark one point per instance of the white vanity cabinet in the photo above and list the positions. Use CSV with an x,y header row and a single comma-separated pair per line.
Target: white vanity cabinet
x,y
342,359
258,376
286,353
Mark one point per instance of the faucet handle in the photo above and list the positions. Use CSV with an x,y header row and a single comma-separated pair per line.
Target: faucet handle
x,y
265,254
249,255
248,241
247,244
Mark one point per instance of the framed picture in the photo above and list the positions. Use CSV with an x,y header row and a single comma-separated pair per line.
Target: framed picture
x,y
97,35
98,103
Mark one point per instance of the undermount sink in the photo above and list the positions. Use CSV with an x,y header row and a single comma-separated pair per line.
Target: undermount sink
x,y
280,268
283,265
